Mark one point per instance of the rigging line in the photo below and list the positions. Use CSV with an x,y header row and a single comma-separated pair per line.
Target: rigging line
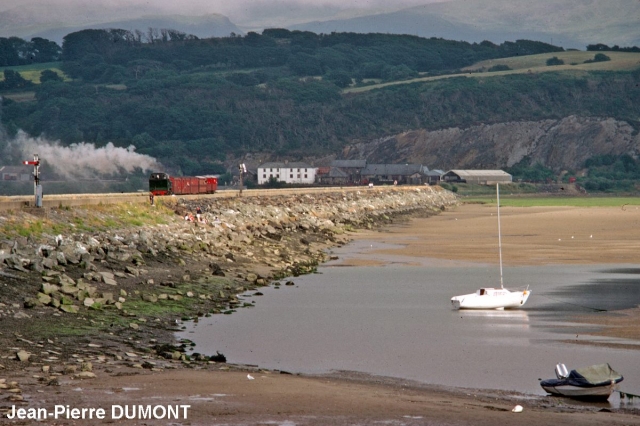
x,y
574,304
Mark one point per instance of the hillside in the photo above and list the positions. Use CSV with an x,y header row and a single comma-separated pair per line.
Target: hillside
x,y
576,62
200,106
567,23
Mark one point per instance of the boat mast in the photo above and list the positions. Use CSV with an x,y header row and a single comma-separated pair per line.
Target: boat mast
x,y
499,232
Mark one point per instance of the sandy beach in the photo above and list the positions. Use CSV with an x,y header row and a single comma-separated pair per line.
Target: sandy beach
x,y
218,394
530,235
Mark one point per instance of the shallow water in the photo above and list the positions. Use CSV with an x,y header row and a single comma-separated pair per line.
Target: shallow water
x,y
396,320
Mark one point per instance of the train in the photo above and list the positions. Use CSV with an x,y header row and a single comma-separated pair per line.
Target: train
x,y
163,184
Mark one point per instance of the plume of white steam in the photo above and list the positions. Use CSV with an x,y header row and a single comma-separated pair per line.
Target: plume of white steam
x,y
83,160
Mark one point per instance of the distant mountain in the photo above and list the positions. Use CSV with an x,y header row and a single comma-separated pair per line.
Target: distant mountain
x,y
53,22
567,23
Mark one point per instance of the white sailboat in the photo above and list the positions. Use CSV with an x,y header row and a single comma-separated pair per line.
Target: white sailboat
x,y
489,297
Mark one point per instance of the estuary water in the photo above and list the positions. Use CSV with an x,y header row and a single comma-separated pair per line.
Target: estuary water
x,y
396,320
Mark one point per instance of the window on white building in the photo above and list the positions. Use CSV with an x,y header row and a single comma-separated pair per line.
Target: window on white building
x,y
305,175
291,175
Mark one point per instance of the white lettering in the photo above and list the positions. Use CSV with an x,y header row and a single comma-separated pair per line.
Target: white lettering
x,y
185,408
155,413
58,410
100,413
144,413
173,412
75,413
115,416
39,414
133,412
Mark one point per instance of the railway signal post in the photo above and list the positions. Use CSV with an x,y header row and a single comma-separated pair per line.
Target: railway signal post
x,y
37,188
243,169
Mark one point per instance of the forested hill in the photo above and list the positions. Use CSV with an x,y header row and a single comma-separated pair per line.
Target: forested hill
x,y
191,103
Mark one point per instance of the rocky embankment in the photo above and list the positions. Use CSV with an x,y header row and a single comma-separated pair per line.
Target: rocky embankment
x,y
75,300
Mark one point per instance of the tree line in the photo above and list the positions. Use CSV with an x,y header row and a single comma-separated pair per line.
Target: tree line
x,y
116,56
15,51
603,47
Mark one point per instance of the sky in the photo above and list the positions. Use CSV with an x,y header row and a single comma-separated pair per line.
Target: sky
x,y
240,10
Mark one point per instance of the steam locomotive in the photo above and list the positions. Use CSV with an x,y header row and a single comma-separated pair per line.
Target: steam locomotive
x,y
163,184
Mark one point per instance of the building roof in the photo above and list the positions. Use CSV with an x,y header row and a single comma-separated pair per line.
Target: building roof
x,y
393,169
283,165
479,173
349,164
337,173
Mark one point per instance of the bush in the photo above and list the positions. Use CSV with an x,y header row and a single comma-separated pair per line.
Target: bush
x,y
499,67
554,61
599,57
449,187
49,75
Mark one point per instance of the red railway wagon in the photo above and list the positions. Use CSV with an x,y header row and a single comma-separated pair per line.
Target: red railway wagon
x,y
163,184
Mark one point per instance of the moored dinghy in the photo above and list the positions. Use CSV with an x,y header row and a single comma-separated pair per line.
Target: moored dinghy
x,y
594,382
493,298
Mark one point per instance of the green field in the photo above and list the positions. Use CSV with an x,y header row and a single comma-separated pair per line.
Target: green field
x,y
573,62
32,72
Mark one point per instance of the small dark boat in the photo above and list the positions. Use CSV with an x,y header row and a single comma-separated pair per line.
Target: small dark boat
x,y
594,382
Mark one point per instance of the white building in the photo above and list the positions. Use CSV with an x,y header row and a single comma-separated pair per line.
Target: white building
x,y
286,172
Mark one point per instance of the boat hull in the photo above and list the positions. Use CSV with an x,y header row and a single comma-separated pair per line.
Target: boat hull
x,y
491,299
595,382
596,393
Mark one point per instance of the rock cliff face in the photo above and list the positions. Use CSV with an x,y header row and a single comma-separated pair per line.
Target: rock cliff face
x,y
557,144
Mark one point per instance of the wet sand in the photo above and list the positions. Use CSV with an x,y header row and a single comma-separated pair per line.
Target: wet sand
x,y
230,398
531,236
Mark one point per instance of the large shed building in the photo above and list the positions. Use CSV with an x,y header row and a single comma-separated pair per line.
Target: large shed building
x,y
481,177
